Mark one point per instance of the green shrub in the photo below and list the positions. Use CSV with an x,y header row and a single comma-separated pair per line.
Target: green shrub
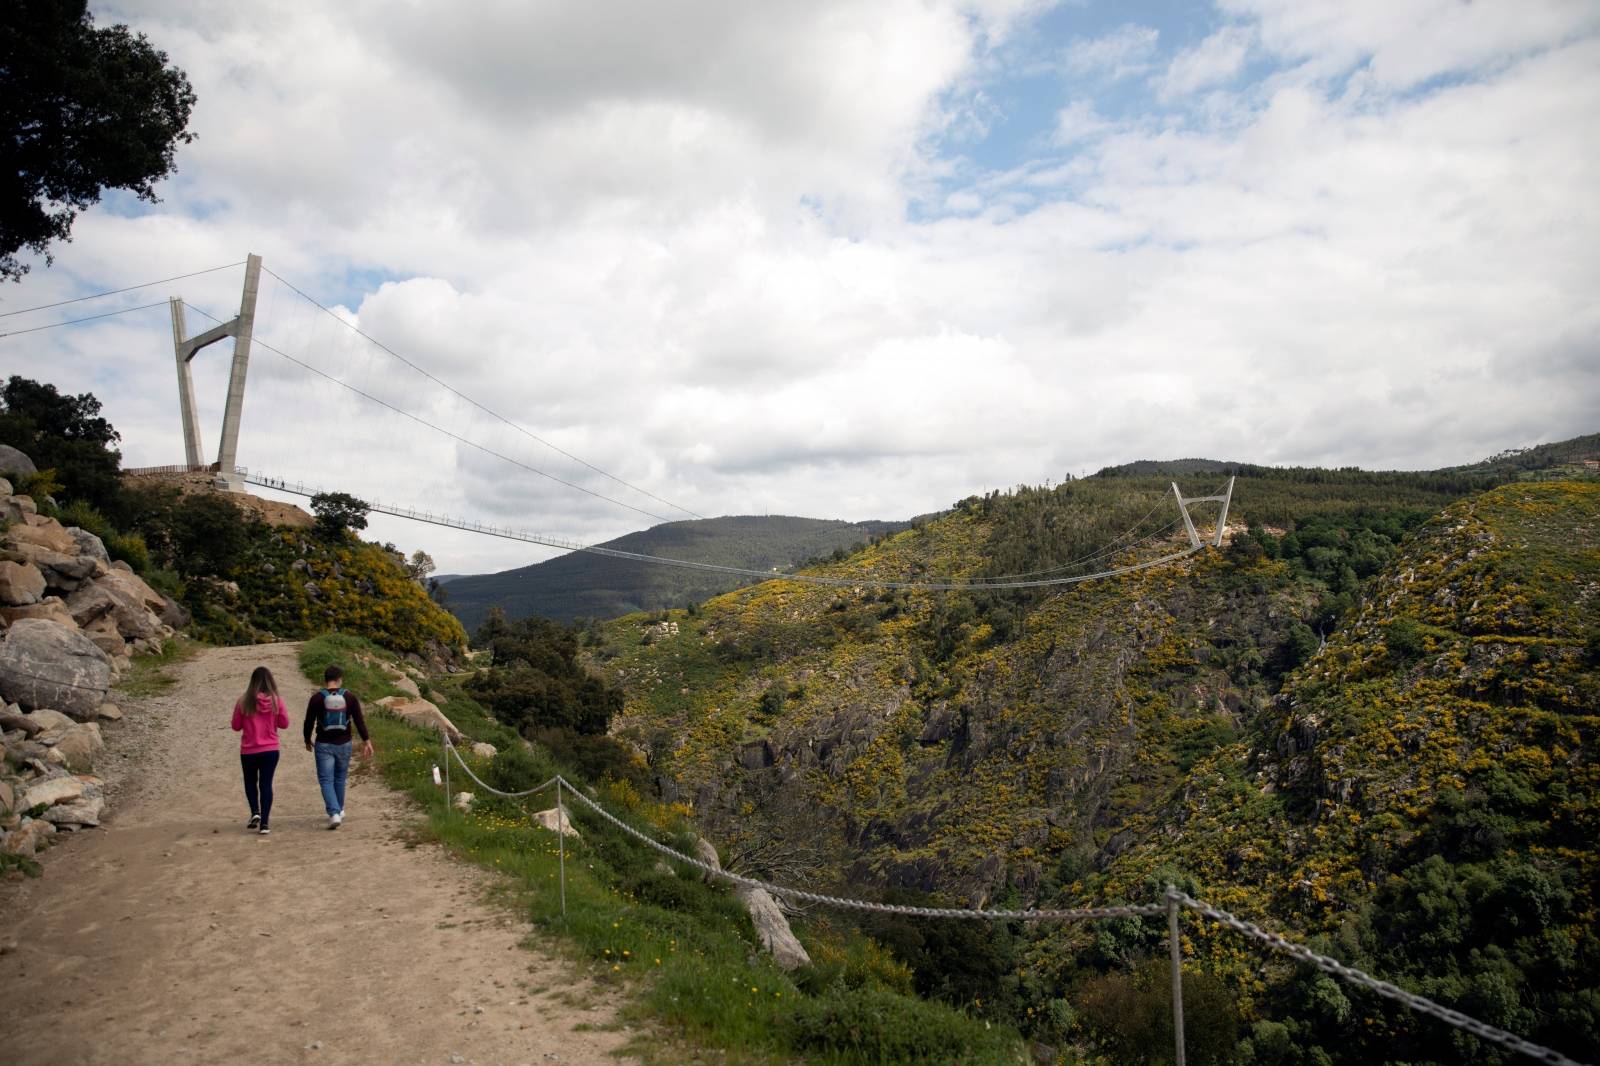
x,y
875,1026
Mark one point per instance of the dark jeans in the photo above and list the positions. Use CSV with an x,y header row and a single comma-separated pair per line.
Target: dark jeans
x,y
258,770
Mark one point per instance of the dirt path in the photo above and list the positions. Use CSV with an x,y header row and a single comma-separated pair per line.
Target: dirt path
x,y
173,936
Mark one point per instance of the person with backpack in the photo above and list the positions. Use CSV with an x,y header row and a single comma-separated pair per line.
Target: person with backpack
x,y
257,717
330,714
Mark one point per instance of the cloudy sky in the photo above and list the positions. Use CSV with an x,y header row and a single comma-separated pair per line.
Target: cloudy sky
x,y
851,260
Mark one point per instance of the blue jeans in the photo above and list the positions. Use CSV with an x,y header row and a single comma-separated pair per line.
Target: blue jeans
x,y
333,766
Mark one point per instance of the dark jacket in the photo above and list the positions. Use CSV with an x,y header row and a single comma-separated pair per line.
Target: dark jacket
x,y
315,714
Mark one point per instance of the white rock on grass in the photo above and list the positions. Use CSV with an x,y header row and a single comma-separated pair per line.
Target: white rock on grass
x,y
484,751
772,928
555,822
463,801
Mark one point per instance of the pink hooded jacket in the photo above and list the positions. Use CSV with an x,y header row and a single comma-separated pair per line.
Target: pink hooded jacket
x,y
259,731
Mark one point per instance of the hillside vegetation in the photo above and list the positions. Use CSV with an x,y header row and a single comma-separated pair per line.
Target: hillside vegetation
x,y
580,585
1060,745
239,578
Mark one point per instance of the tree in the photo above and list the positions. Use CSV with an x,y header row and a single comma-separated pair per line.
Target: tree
x,y
420,566
65,434
337,512
82,110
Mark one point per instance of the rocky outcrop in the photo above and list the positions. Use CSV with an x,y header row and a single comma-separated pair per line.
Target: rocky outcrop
x,y
20,584
772,928
44,664
13,461
421,712
69,619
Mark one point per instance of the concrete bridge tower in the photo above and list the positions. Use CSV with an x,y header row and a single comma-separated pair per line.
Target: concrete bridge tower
x,y
184,346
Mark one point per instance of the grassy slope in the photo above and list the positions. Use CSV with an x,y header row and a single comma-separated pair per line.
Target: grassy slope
x,y
684,949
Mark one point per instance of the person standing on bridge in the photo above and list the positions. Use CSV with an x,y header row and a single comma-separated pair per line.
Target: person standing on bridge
x,y
257,717
331,713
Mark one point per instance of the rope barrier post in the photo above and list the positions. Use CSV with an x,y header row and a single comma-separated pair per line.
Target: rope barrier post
x,y
1177,971
444,742
561,846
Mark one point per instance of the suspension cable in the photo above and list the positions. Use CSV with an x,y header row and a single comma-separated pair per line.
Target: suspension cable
x,y
113,292
468,399
85,318
440,429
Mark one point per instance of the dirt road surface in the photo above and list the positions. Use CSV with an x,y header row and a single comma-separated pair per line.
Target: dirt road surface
x,y
174,936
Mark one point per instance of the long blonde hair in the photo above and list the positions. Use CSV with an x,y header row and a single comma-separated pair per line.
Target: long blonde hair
x,y
260,681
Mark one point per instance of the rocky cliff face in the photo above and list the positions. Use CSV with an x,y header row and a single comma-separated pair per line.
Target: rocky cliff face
x,y
896,739
70,621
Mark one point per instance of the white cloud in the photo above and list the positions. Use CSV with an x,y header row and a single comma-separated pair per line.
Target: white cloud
x,y
678,245
1127,50
1078,121
1216,60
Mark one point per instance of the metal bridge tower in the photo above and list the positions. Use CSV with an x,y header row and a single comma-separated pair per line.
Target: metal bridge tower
x,y
185,347
1222,518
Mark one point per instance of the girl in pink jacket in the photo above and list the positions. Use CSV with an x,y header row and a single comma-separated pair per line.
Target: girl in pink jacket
x,y
257,717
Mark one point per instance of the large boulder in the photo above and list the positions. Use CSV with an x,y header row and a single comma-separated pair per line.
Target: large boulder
x,y
46,665
772,928
421,712
61,570
12,717
13,461
47,533
79,745
51,722
125,598
20,584
82,812
51,609
53,790
89,544
173,613
103,631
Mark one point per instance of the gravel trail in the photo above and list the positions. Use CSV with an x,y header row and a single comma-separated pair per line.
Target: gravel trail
x,y
174,936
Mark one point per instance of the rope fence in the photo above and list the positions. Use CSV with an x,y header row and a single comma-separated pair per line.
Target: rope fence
x,y
1174,902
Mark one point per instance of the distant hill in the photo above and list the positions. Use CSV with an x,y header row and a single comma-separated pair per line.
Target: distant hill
x,y
1562,457
1558,459
581,585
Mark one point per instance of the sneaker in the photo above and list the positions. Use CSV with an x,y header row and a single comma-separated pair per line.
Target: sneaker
x,y
265,831
335,820
254,822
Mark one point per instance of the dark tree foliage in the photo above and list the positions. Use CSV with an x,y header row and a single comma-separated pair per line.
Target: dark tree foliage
x,y
338,513
65,434
82,109
536,682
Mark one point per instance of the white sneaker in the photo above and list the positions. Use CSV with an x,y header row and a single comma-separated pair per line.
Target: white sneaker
x,y
334,820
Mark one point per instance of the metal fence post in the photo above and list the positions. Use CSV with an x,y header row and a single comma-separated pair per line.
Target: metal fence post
x,y
561,844
444,740
1177,972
